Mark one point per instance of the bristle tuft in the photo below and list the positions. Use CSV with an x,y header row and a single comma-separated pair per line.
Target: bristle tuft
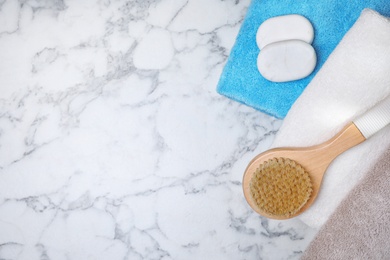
x,y
280,187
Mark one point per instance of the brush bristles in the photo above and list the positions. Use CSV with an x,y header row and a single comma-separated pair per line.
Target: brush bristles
x,y
280,187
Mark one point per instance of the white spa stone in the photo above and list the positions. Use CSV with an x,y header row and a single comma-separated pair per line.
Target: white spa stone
x,y
286,60
286,27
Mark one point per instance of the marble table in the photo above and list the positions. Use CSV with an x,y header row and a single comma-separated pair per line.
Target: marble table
x,y
113,141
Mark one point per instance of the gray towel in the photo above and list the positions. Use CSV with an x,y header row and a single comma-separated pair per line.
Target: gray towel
x,y
360,226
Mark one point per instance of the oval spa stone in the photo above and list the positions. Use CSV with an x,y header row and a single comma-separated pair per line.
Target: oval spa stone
x,y
286,60
282,28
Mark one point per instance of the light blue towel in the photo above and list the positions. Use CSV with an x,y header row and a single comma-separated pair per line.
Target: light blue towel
x,y
331,19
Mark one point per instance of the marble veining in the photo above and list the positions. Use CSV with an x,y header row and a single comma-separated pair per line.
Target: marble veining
x,y
113,141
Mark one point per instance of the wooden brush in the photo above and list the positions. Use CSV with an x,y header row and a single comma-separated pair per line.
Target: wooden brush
x,y
282,183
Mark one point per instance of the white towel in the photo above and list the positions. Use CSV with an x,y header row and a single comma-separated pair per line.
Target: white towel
x,y
355,77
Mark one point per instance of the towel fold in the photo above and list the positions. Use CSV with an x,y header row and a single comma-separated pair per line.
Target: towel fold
x,y
353,79
331,19
360,226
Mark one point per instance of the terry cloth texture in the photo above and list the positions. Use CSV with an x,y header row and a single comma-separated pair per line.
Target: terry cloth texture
x,y
331,19
353,79
360,227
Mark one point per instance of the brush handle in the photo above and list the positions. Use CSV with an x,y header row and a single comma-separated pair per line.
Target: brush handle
x,y
374,119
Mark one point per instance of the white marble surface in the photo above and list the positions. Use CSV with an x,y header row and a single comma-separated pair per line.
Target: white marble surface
x,y
113,141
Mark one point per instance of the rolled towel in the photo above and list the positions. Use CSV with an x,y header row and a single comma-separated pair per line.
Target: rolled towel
x,y
355,77
360,226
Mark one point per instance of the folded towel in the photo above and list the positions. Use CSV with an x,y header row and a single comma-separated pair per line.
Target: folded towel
x,y
354,78
331,19
360,226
